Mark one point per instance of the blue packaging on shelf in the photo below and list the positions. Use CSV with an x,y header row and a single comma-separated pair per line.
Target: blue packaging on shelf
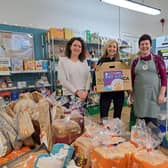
x,y
45,65
162,128
165,141
14,95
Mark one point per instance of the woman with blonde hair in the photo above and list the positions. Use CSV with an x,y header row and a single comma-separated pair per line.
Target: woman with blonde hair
x,y
110,54
105,51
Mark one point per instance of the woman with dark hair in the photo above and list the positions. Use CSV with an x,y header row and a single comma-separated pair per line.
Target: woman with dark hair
x,y
149,82
68,50
110,54
73,70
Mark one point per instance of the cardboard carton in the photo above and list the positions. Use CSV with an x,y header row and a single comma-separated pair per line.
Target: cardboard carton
x,y
56,33
68,33
113,76
29,65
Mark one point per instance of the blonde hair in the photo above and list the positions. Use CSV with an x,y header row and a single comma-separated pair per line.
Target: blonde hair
x,y
107,45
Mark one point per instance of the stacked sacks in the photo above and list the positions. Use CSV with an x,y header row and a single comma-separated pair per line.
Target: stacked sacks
x,y
25,120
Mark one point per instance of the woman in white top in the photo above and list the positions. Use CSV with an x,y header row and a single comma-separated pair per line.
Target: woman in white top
x,y
73,70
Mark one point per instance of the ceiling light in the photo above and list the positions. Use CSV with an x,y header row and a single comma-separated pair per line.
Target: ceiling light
x,y
139,7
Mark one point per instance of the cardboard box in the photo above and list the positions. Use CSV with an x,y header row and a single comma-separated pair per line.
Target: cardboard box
x,y
4,63
56,33
39,65
29,65
113,76
68,33
17,64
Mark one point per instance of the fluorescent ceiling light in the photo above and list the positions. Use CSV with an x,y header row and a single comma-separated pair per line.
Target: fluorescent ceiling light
x,y
134,6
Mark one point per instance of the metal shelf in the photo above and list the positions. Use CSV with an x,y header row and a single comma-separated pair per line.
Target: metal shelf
x,y
20,88
30,71
65,40
8,73
4,73
124,46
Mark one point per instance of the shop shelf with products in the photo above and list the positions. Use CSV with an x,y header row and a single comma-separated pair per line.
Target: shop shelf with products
x,y
24,82
21,45
16,71
125,54
4,73
94,50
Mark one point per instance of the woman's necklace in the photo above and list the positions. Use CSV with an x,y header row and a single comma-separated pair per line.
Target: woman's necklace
x,y
145,66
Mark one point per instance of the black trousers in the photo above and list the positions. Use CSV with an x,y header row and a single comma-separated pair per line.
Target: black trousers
x,y
153,120
105,101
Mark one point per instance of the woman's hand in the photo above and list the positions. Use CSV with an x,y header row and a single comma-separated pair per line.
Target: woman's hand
x,y
161,99
82,94
94,89
131,97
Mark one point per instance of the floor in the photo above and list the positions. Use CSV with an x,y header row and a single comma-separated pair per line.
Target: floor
x,y
125,117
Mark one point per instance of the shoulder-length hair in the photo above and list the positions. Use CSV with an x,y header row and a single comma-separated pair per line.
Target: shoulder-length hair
x,y
105,54
68,48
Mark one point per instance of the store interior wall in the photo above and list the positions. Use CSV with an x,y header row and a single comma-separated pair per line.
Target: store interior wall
x,y
83,15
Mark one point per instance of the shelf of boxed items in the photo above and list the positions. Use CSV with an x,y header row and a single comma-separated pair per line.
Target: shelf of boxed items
x,y
66,40
30,71
57,47
27,87
125,54
124,46
8,73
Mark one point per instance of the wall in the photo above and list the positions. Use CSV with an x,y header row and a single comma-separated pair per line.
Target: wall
x,y
82,15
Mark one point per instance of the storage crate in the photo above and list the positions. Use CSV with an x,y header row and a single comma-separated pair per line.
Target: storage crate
x,y
93,109
133,118
125,102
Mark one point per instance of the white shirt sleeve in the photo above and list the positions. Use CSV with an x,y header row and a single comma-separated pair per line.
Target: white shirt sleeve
x,y
88,82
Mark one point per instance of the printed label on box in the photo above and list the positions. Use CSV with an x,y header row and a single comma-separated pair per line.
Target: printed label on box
x,y
113,80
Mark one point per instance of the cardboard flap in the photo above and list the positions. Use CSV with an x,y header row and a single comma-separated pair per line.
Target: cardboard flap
x,y
112,65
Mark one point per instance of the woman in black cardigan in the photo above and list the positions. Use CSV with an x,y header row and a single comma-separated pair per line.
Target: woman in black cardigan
x,y
111,54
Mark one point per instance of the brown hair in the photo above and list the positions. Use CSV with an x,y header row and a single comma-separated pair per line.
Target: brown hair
x,y
107,45
145,37
68,48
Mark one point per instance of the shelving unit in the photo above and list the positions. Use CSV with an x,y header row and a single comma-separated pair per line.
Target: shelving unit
x,y
22,88
31,71
8,73
124,54
4,73
30,46
124,46
29,86
56,47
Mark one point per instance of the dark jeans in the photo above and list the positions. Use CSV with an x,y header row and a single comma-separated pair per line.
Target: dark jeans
x,y
105,101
